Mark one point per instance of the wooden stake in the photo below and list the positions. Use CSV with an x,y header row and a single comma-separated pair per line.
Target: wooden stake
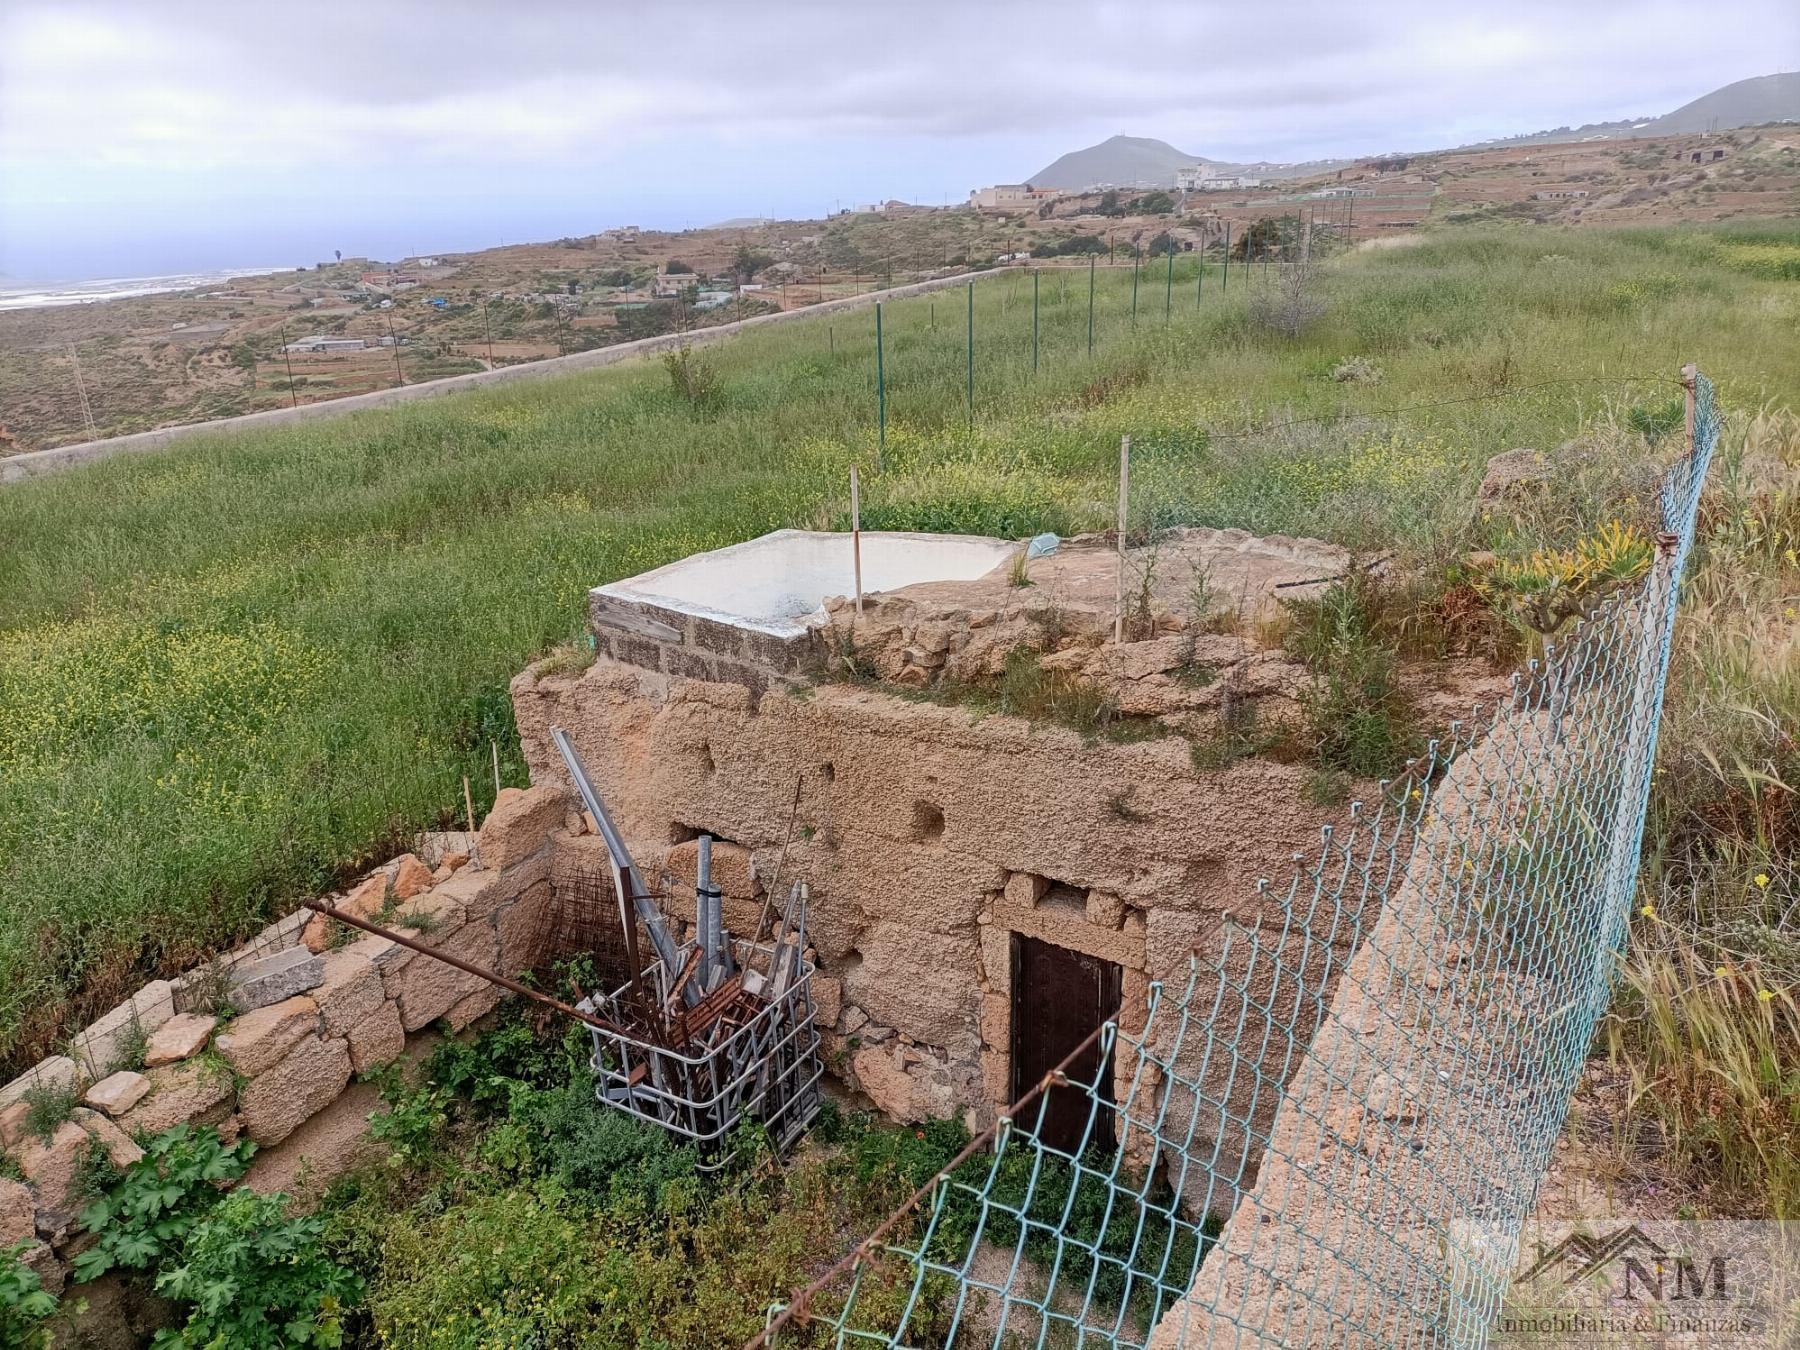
x,y
469,806
495,746
856,534
1124,490
1689,373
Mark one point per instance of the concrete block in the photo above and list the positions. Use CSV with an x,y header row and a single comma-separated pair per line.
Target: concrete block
x,y
101,1047
270,979
58,1072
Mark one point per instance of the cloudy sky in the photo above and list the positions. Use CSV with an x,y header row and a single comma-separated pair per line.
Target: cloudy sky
x,y
142,137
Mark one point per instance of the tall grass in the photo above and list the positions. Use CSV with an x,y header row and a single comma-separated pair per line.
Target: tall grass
x,y
235,671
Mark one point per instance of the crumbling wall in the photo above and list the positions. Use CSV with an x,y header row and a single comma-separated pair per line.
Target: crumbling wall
x,y
929,835
264,1041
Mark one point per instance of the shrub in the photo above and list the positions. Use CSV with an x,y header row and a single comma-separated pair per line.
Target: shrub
x,y
48,1105
1358,717
154,1203
692,377
25,1306
257,1278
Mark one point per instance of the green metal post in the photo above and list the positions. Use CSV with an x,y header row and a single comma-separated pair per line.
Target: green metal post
x,y
1169,284
971,353
1225,270
1034,320
1091,261
880,383
1134,284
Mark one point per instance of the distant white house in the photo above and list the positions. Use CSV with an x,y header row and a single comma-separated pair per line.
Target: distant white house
x,y
1207,178
1009,197
668,285
323,343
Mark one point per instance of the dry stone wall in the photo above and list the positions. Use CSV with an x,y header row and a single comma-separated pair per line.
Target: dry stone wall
x,y
263,1040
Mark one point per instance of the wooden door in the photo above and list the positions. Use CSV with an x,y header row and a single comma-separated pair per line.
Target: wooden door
x,y
1059,997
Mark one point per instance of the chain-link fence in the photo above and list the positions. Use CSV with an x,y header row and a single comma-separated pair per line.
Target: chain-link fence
x,y
1244,1179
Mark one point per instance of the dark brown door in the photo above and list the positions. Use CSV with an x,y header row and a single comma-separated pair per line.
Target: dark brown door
x,y
1059,996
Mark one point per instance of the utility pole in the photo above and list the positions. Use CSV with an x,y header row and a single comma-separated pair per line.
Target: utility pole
x,y
87,411
394,342
287,357
488,328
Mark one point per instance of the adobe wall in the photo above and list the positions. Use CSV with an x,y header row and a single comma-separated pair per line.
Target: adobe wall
x,y
267,1041
928,836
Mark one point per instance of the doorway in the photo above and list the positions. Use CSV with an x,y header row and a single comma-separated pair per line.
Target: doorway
x,y
1059,998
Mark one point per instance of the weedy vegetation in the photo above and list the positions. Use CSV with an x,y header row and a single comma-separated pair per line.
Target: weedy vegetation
x,y
234,673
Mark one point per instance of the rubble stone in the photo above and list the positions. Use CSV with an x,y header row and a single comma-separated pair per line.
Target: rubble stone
x,y
192,1092
118,1145
274,1105
117,1093
254,1042
1512,477
181,1037
411,877
378,1039
53,1167
350,992
733,867
18,1209
426,989
519,826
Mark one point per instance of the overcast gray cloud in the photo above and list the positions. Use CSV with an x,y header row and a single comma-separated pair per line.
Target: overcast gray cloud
x,y
369,114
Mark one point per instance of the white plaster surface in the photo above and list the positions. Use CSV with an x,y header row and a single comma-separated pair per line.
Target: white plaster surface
x,y
777,583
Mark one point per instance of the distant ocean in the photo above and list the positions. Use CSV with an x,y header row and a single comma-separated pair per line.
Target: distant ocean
x,y
42,295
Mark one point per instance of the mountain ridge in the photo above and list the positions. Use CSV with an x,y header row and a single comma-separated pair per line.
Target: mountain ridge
x,y
1145,162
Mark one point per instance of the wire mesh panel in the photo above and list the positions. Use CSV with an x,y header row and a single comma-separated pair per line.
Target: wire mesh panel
x,y
1454,947
736,1056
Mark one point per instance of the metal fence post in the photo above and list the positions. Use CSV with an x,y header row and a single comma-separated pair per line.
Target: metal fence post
x,y
880,389
1225,270
1091,261
971,353
1124,490
1135,256
1034,320
1169,283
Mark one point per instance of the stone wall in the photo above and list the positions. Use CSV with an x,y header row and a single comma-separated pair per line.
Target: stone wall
x,y
266,1038
929,836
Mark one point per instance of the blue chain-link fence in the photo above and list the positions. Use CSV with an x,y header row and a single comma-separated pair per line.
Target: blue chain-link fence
x,y
1453,947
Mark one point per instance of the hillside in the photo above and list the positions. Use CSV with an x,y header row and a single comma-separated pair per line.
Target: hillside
x,y
1142,161
1747,103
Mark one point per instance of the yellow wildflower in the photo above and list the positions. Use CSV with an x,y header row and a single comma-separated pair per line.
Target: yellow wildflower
x,y
1765,994
1648,911
1762,881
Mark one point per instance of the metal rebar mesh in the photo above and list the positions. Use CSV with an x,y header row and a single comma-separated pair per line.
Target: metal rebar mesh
x,y
1454,946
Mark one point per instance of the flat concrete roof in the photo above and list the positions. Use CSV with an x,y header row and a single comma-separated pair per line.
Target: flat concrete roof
x,y
777,584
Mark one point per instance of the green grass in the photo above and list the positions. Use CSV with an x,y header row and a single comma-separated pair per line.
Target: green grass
x,y
234,672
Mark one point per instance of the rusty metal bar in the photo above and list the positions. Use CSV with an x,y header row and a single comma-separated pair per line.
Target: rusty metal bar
x,y
491,976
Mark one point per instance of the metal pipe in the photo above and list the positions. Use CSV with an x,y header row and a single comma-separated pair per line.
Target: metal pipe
x,y
624,870
493,977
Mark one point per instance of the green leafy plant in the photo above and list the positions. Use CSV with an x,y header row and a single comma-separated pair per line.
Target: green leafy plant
x,y
1357,714
25,1305
1552,587
257,1278
153,1204
48,1105
414,1121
